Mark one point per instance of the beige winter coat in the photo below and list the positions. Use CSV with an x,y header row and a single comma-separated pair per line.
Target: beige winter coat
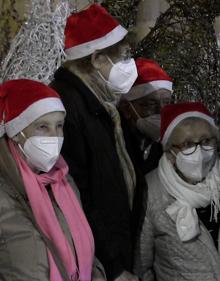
x,y
23,255
160,254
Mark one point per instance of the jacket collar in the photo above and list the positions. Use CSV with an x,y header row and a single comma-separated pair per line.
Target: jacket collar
x,y
90,99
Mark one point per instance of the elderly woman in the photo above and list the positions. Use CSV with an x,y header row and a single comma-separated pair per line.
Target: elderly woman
x,y
97,72
44,233
179,235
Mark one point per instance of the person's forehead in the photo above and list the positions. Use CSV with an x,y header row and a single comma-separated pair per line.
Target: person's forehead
x,y
119,47
155,96
191,130
51,117
160,94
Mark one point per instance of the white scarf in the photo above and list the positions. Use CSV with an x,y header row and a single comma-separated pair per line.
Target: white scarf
x,y
189,197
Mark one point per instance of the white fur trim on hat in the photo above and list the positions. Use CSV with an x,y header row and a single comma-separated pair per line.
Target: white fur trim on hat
x,y
145,89
85,49
183,116
31,113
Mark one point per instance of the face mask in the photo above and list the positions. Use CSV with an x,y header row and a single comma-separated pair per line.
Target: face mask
x,y
42,152
122,76
150,126
197,165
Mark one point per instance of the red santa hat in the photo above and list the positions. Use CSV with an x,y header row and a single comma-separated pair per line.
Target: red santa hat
x,y
151,77
89,30
23,101
173,114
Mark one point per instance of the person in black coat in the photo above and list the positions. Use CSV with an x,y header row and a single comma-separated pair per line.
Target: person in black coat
x,y
140,113
140,120
98,71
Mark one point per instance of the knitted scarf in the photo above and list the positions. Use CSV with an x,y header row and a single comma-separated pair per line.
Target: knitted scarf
x,y
189,197
78,265
126,164
107,98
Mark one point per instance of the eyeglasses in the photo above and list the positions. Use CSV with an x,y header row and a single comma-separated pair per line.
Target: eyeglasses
x,y
148,107
206,144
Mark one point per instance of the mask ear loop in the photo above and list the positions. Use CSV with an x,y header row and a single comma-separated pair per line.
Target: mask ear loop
x,y
102,77
100,74
108,58
135,111
111,62
173,153
19,145
23,135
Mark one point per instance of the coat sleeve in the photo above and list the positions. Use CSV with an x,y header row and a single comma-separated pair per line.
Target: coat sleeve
x,y
144,250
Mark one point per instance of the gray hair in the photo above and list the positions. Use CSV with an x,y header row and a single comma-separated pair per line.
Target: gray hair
x,y
189,121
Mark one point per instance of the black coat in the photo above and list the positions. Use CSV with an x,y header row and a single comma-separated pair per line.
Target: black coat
x,y
90,151
142,166
133,140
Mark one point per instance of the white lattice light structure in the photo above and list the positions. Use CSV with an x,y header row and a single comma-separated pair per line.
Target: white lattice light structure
x,y
217,30
37,50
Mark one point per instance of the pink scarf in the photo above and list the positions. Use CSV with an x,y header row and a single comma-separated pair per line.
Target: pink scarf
x,y
79,267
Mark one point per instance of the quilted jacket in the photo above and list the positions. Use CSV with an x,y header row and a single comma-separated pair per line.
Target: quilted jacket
x,y
23,254
160,254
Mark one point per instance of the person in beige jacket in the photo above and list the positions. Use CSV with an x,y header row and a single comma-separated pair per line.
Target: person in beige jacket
x,y
179,238
44,234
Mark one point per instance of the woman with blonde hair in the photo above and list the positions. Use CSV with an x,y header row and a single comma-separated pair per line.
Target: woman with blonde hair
x,y
44,233
179,235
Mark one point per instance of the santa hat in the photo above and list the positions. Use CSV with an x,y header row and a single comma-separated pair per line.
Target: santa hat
x,y
173,114
23,101
89,30
151,77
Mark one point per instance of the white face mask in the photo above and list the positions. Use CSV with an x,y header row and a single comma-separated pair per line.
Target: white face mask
x,y
197,165
150,126
122,76
42,152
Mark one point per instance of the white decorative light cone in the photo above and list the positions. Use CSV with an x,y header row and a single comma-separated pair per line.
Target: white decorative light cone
x,y
37,50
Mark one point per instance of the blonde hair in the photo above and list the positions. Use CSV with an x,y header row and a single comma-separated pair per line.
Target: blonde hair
x,y
189,121
84,69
